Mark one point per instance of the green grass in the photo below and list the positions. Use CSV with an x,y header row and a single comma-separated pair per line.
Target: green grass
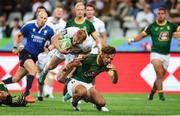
x,y
5,41
119,104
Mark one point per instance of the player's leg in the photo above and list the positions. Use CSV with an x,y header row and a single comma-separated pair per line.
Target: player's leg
x,y
160,72
21,72
31,67
96,98
50,65
79,93
48,86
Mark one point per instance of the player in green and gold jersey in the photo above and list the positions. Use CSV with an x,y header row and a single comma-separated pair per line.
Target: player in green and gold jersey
x,y
7,99
161,32
80,85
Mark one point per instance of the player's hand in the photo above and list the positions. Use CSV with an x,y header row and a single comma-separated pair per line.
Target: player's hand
x,y
15,50
130,40
110,67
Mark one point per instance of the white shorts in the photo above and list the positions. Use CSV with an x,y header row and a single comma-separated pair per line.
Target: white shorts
x,y
73,83
163,58
69,58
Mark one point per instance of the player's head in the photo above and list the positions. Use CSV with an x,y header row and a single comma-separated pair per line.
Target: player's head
x,y
5,98
90,10
41,18
107,54
161,14
58,12
79,9
79,37
39,9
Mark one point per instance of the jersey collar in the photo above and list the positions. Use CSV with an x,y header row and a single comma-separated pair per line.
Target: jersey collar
x,y
161,24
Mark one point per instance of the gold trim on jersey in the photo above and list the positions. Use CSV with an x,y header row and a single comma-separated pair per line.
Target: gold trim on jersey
x,y
178,29
79,22
161,24
144,33
97,59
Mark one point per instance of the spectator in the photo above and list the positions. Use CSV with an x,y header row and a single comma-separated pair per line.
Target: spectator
x,y
144,17
16,27
4,27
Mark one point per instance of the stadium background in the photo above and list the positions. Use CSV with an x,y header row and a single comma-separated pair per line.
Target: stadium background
x,y
135,73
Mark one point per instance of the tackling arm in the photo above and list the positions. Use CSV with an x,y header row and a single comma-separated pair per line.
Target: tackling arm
x,y
112,73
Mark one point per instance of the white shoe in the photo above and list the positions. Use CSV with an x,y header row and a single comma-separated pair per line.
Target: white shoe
x,y
104,109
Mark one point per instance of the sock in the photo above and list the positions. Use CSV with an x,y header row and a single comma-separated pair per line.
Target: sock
x,y
8,80
30,79
160,93
152,92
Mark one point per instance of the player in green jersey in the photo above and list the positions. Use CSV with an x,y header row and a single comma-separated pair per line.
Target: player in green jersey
x,y
80,86
161,32
7,99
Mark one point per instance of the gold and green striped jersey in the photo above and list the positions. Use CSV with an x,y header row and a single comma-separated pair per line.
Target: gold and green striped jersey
x,y
89,69
161,36
87,25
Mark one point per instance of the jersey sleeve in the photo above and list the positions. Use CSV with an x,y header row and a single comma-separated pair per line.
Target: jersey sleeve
x,y
25,28
92,29
147,30
102,27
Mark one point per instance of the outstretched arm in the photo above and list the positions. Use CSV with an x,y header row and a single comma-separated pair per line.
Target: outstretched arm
x,y
137,38
112,73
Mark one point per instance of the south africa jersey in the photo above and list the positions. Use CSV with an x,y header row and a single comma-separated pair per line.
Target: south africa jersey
x,y
89,69
3,88
161,36
36,37
87,25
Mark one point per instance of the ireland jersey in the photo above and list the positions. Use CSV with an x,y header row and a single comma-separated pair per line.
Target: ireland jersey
x,y
161,36
89,69
87,25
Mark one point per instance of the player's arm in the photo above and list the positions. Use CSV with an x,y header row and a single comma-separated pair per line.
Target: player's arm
x,y
137,38
177,33
55,41
67,69
112,73
17,43
103,36
98,42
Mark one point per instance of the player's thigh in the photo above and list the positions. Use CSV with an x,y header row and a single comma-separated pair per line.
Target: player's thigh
x,y
20,73
158,66
30,66
54,62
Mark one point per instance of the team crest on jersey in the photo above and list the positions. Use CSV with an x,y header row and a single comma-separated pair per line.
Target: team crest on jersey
x,y
45,32
163,36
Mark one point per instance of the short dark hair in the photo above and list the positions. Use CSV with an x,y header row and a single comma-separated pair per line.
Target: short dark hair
x,y
91,5
163,8
108,50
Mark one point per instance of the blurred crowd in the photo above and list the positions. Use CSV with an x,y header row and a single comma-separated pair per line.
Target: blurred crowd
x,y
130,14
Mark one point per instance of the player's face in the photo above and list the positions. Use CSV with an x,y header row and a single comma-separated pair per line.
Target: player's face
x,y
89,12
3,95
41,18
58,12
161,15
76,40
80,11
107,58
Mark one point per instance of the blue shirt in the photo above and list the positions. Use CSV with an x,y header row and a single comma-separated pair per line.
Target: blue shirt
x,y
36,37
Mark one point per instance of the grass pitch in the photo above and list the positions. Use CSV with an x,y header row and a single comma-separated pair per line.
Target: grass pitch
x,y
118,104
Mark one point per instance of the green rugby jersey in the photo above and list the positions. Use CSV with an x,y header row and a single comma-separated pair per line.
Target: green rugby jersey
x,y
3,88
161,36
87,25
89,69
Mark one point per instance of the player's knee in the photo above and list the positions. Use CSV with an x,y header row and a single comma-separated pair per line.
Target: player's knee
x,y
15,79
